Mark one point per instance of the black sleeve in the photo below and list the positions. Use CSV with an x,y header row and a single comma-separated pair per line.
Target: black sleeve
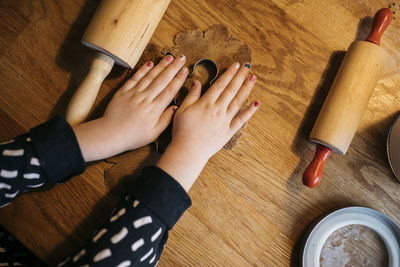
x,y
48,153
137,231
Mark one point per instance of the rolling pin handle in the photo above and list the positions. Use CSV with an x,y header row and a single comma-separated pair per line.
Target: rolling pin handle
x,y
313,174
85,96
382,19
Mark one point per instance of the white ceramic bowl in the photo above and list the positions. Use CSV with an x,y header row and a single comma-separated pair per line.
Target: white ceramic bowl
x,y
385,227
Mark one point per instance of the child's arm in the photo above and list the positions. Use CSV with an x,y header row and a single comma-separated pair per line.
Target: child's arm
x,y
202,126
53,152
138,229
49,153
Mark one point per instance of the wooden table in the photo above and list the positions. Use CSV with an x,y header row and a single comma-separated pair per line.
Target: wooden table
x,y
249,205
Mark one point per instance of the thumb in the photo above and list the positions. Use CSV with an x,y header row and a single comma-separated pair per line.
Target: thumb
x,y
192,96
165,119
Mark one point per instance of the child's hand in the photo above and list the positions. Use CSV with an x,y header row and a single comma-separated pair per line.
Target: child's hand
x,y
137,114
202,126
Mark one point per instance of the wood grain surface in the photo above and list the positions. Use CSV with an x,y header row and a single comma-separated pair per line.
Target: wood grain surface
x,y
249,205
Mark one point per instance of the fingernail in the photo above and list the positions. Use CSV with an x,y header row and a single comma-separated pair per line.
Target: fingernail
x,y
253,78
237,66
149,64
248,65
175,109
193,83
181,57
169,58
185,70
256,104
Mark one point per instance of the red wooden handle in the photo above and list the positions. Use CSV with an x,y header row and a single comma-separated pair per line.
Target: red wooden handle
x,y
313,174
382,20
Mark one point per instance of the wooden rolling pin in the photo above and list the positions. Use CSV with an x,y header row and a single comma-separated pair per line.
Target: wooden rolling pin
x,y
348,98
119,32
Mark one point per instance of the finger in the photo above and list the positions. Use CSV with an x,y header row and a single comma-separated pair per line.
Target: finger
x,y
153,74
241,96
244,116
231,90
193,95
137,76
166,96
165,119
219,85
165,77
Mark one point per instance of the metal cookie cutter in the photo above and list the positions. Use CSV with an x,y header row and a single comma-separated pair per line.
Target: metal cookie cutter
x,y
212,69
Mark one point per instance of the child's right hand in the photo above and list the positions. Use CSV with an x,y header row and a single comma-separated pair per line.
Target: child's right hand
x,y
202,126
138,112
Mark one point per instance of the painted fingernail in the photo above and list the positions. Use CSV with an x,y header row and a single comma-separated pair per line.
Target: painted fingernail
x,y
193,83
169,58
256,104
175,109
149,64
237,66
181,57
248,65
253,78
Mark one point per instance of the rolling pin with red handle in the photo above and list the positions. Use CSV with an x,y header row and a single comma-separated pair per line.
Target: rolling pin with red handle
x,y
119,32
348,98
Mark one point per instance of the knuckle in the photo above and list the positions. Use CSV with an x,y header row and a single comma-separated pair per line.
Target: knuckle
x,y
152,75
240,121
209,106
120,93
134,78
236,103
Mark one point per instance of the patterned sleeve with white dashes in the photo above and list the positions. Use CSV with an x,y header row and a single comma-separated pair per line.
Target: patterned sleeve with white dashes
x,y
137,230
49,153
20,169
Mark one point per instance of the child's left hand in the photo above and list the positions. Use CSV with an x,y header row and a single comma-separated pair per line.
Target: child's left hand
x,y
138,112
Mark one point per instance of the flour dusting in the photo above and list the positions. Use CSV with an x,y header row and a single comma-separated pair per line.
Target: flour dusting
x,y
353,246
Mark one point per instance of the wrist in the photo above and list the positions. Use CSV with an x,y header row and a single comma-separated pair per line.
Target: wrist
x,y
185,152
183,164
95,140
